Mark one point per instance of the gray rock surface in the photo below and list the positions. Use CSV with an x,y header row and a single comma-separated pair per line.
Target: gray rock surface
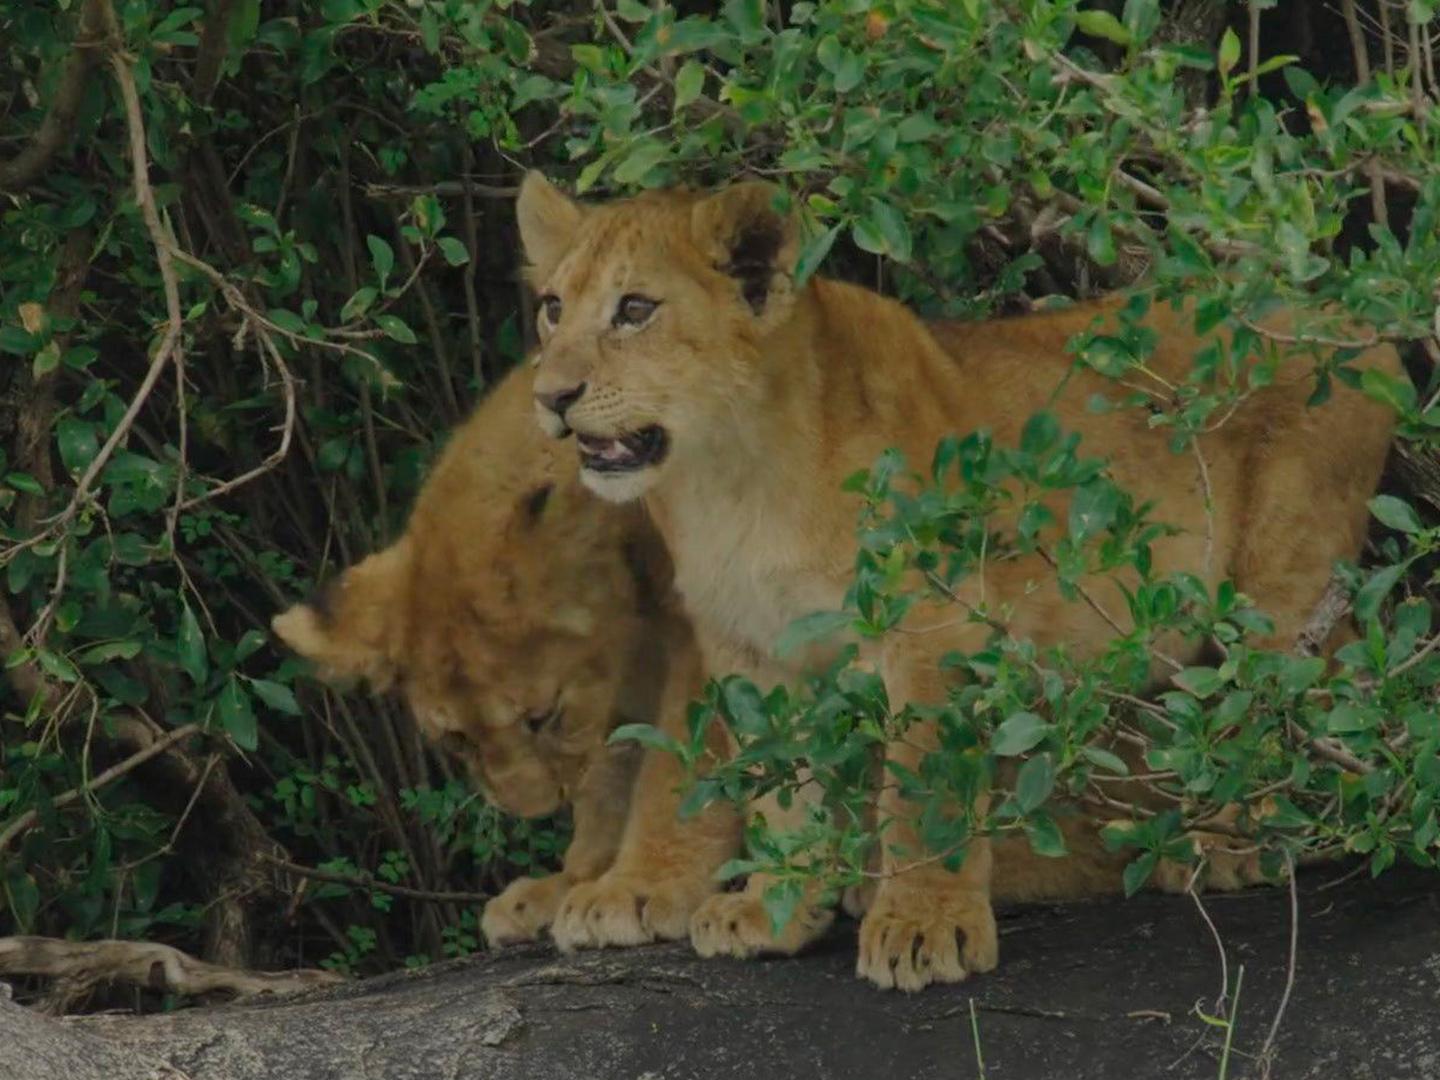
x,y
1098,990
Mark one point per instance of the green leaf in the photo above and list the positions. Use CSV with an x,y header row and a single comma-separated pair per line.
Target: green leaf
x,y
359,303
1100,241
17,341
57,666
1021,732
813,254
1396,513
1034,782
46,360
22,897
781,901
1104,759
24,482
1045,836
237,716
1138,872
1102,24
277,695
396,329
110,650
883,231
808,629
77,442
1041,432
191,646
640,161
689,83
647,735
249,644
1229,52
1397,391
382,257
1093,508
846,66
1200,681
745,707
1141,18
1372,594
454,251
286,320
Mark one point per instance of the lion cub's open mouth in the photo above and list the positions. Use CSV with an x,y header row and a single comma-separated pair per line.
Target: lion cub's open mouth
x,y
626,453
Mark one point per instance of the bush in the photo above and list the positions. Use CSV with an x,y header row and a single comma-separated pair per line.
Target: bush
x,y
252,269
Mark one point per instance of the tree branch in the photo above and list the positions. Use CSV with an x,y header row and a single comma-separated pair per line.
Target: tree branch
x,y
57,126
86,964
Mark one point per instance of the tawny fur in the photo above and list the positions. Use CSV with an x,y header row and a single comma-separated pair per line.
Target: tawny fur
x,y
514,595
772,395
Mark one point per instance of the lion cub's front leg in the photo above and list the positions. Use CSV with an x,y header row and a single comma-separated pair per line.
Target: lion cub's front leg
x,y
528,907
737,924
525,909
925,924
666,867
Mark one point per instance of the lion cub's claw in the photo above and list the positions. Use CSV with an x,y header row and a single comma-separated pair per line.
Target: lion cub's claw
x,y
737,924
524,910
620,911
909,942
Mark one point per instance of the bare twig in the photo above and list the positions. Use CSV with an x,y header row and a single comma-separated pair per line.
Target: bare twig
x,y
119,769
1214,933
368,881
1254,49
1269,1046
1357,41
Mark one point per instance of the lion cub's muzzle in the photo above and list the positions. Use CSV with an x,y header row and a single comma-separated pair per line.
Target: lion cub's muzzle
x,y
552,406
625,453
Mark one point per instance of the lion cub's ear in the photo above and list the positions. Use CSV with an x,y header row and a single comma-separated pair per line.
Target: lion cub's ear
x,y
548,221
351,629
742,234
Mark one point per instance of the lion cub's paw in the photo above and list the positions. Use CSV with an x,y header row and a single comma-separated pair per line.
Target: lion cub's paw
x,y
1224,870
524,909
737,924
618,910
913,937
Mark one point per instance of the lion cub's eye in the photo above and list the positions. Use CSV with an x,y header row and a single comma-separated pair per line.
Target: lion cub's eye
x,y
634,310
536,722
550,305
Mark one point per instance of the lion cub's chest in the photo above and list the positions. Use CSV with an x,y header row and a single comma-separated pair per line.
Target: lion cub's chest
x,y
745,572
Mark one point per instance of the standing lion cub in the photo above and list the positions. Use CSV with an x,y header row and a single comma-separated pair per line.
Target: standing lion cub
x,y
697,376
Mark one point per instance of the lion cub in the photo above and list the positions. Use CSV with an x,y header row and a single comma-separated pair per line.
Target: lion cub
x,y
522,619
699,377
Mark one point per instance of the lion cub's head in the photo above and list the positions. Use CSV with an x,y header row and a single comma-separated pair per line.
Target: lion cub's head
x,y
508,614
651,313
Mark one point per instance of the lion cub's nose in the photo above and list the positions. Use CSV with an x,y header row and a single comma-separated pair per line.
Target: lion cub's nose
x,y
561,400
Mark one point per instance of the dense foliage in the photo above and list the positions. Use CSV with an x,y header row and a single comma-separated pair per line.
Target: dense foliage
x,y
254,263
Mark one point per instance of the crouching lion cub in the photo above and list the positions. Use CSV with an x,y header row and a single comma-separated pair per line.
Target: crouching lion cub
x,y
523,620
699,376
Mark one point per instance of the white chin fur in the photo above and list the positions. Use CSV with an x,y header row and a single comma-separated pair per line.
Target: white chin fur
x,y
551,424
618,487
